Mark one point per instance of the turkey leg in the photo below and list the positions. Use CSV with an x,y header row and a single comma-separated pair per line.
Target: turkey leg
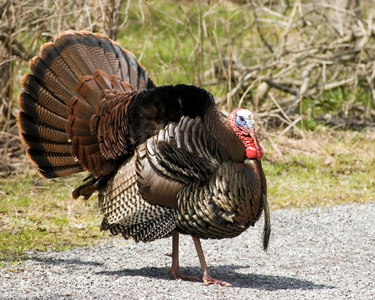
x,y
175,268
207,279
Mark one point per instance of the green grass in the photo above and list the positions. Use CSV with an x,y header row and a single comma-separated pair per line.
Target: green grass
x,y
324,169
38,214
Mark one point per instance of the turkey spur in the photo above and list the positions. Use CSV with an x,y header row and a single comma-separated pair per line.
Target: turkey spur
x,y
161,158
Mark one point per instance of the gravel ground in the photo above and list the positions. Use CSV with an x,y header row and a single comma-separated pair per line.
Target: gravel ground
x,y
316,254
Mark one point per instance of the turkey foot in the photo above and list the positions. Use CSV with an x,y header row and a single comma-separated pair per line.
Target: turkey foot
x,y
207,280
174,271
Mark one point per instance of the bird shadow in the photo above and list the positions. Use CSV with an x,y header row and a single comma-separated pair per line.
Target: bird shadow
x,y
61,261
227,273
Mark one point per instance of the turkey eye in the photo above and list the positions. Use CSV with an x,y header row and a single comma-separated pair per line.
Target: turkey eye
x,y
242,119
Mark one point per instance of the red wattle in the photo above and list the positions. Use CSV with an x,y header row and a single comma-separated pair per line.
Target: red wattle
x,y
251,152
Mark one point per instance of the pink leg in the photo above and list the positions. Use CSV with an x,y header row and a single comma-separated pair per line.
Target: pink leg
x,y
207,279
175,268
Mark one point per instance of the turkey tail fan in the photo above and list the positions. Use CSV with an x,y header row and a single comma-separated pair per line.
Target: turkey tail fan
x,y
50,90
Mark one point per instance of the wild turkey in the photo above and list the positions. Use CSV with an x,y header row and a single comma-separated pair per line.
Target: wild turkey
x,y
161,158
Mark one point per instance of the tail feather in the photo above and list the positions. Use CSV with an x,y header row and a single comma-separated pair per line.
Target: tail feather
x,y
59,171
102,80
44,116
79,109
49,80
78,127
119,85
81,124
68,82
75,53
38,95
40,131
56,159
46,132
57,65
47,146
88,88
94,51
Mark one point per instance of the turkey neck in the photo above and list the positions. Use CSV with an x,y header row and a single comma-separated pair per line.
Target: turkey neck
x,y
224,135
